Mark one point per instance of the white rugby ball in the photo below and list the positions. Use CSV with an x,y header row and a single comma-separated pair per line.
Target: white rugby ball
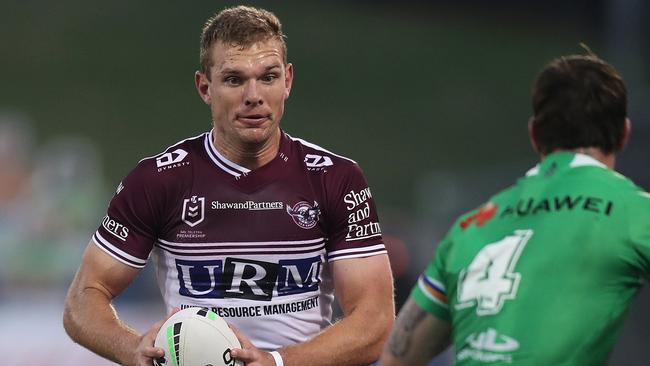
x,y
196,337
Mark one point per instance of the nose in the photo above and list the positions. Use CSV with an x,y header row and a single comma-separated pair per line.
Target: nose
x,y
252,96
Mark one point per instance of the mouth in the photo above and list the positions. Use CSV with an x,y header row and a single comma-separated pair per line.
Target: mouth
x,y
253,120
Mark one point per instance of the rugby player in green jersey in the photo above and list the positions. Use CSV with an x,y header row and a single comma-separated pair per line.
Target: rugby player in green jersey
x,y
544,272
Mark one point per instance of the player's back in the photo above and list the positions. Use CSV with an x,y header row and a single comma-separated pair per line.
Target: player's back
x,y
545,272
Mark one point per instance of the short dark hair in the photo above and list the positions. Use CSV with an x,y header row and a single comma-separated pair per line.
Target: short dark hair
x,y
240,26
579,101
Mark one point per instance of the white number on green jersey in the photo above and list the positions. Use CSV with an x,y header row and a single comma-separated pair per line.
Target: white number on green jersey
x,y
490,279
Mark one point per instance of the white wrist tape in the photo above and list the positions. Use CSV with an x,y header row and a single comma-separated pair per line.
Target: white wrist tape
x,y
277,358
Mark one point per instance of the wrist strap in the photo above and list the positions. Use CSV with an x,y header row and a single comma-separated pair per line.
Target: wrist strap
x,y
277,358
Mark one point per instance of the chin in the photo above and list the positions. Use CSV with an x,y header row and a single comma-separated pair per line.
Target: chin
x,y
255,135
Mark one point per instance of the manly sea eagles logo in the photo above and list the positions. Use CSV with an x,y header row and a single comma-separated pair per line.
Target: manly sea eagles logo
x,y
193,210
304,215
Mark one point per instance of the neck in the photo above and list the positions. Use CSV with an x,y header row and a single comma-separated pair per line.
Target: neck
x,y
608,159
249,155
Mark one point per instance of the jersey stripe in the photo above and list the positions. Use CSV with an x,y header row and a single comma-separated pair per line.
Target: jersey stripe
x,y
433,290
116,253
358,254
238,248
202,245
354,250
314,146
169,147
220,160
243,251
215,159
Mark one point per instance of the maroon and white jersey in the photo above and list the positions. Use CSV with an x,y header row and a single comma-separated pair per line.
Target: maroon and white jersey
x,y
254,246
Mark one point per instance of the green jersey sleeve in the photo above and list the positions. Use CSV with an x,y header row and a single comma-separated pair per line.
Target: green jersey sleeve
x,y
430,292
640,232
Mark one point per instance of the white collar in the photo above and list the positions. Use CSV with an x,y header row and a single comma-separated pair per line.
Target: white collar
x,y
578,160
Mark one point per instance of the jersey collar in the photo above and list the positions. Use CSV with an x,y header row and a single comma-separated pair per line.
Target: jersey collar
x,y
235,169
221,161
564,159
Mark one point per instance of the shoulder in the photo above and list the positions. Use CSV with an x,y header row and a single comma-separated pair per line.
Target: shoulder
x,y
170,164
319,159
484,214
636,199
609,184
634,220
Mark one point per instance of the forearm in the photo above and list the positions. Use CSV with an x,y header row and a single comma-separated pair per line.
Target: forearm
x,y
90,320
355,340
416,338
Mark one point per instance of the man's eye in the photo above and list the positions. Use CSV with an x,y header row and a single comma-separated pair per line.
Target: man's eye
x,y
269,78
232,80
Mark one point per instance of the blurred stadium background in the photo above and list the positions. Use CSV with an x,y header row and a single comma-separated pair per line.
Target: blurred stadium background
x,y
430,97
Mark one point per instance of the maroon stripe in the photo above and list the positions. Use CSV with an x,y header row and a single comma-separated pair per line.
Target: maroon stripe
x,y
198,247
240,253
136,264
355,253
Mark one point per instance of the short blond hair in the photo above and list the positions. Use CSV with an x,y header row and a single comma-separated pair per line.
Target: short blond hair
x,y
240,26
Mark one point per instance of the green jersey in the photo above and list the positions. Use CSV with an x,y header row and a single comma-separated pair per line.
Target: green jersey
x,y
544,273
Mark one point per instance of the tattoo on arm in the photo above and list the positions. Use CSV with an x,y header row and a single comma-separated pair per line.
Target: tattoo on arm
x,y
400,339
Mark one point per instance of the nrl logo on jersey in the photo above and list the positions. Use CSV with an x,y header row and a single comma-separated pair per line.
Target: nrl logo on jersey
x,y
172,159
193,210
304,215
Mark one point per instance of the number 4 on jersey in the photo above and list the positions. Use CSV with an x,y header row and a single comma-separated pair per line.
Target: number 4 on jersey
x,y
490,279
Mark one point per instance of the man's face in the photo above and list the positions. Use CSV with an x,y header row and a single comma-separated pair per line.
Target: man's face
x,y
246,92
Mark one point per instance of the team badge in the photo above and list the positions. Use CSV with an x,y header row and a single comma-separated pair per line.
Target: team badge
x,y
304,215
193,210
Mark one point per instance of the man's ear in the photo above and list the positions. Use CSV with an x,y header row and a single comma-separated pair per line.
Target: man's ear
x,y
288,79
627,129
532,134
202,86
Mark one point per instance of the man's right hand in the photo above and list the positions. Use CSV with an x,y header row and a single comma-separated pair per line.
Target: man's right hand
x,y
145,353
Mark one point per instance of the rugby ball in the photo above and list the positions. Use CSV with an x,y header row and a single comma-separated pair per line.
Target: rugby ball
x,y
196,337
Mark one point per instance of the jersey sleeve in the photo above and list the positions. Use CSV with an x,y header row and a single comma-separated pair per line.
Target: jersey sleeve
x,y
430,291
352,220
640,232
129,229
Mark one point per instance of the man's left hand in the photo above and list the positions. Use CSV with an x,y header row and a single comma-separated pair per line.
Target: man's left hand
x,y
249,354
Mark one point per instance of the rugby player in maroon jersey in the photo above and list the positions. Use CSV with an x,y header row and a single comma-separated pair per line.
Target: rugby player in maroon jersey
x,y
261,227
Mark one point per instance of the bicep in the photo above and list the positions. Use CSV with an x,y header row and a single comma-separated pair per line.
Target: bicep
x,y
416,338
89,317
99,271
364,281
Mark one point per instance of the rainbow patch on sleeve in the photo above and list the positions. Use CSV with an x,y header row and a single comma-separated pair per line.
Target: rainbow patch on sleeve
x,y
433,289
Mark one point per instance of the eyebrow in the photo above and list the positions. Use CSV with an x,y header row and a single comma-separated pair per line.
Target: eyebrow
x,y
232,71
